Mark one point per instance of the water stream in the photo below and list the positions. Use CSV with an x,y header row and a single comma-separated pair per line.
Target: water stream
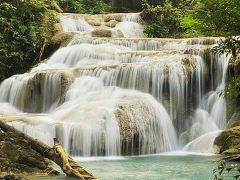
x,y
121,95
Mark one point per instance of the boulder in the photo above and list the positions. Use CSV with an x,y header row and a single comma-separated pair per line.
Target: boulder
x,y
95,22
228,142
62,39
111,23
116,17
102,32
133,118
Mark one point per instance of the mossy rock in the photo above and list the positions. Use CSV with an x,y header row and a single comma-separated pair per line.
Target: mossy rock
x,y
18,158
228,142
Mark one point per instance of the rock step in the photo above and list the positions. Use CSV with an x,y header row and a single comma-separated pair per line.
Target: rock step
x,y
73,38
132,41
101,17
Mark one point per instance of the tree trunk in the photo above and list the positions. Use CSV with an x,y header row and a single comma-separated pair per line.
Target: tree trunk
x,y
56,154
57,7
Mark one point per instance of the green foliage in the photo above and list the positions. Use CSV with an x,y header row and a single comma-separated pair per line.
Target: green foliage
x,y
162,20
85,6
193,18
136,5
23,32
221,16
229,45
191,25
225,169
154,30
232,89
126,5
213,18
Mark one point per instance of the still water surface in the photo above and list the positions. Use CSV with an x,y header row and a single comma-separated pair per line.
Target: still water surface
x,y
157,167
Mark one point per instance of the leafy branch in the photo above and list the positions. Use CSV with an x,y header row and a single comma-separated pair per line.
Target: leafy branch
x,y
224,168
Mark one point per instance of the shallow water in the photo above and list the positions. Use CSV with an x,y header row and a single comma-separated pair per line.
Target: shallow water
x,y
169,167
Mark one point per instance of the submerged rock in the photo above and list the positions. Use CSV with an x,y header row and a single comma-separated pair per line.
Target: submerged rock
x,y
228,142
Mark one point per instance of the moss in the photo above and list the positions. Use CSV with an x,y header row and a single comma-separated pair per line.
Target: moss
x,y
228,142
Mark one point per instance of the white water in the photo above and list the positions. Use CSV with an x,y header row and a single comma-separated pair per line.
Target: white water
x,y
75,25
86,123
129,25
210,116
131,96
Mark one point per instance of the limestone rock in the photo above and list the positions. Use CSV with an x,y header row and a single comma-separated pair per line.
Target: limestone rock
x,y
111,23
129,117
94,22
62,39
116,33
228,142
102,32
35,96
116,17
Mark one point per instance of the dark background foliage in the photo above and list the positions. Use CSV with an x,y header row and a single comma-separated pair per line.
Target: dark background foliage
x,y
23,33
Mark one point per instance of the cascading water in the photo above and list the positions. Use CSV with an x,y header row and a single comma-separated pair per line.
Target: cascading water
x,y
210,116
126,95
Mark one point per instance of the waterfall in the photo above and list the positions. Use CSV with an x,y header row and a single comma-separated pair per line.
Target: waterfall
x,y
78,25
87,123
210,116
120,94
115,25
130,26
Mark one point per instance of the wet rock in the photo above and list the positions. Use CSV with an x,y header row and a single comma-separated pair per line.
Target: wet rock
x,y
129,118
102,32
228,142
116,17
117,34
111,23
94,22
62,39
34,95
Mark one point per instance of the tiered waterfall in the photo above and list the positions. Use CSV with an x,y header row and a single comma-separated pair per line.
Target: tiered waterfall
x,y
111,91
